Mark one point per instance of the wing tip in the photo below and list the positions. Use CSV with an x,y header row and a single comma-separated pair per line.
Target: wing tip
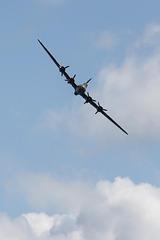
x,y
123,130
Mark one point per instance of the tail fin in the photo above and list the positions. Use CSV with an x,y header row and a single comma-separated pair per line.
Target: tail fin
x,y
86,83
89,80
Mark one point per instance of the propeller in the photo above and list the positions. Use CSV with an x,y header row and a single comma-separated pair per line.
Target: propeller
x,y
100,108
71,80
89,99
62,69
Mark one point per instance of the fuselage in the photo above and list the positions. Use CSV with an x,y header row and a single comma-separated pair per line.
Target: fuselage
x,y
80,89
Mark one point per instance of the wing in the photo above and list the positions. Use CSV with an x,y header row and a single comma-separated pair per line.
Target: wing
x,y
54,60
101,110
61,68
107,116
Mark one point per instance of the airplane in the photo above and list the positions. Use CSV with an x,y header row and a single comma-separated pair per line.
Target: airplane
x,y
81,89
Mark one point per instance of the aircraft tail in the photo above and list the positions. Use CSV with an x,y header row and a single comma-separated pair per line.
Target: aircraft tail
x,y
88,80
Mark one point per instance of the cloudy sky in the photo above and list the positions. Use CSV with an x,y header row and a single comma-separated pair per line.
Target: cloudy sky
x,y
66,173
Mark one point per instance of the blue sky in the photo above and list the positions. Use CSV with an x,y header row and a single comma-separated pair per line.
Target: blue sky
x,y
54,151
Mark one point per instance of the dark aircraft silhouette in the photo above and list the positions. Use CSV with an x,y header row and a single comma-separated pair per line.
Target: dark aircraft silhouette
x,y
81,89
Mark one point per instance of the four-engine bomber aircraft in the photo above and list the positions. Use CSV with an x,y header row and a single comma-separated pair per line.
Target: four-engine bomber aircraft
x,y
81,89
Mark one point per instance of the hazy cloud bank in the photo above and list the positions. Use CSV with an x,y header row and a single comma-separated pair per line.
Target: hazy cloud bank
x,y
116,210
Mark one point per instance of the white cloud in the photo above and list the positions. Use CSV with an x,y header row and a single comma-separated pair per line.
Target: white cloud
x,y
118,210
15,229
57,226
122,210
